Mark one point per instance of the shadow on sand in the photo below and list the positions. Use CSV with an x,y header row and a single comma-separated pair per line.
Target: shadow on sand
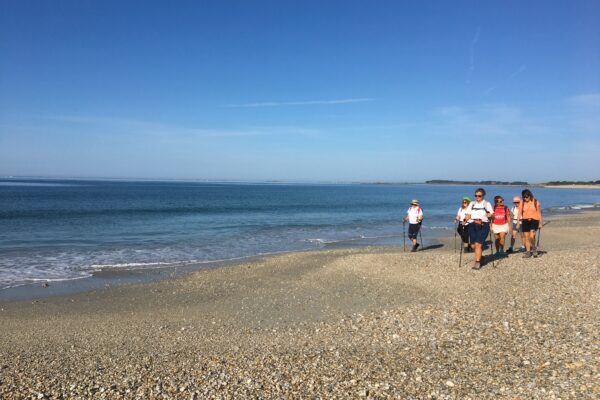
x,y
431,247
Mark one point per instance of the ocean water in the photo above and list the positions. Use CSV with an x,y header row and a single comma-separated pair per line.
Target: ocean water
x,y
53,230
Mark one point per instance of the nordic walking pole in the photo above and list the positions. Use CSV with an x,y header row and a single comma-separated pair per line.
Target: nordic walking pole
x,y
492,250
461,251
404,234
421,235
537,245
455,228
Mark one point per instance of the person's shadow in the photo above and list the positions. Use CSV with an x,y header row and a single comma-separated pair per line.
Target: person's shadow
x,y
432,246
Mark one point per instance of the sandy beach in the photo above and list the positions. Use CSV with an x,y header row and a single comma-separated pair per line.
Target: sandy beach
x,y
348,323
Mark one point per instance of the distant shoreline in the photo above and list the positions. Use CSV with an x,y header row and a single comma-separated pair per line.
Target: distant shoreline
x,y
582,185
570,186
483,182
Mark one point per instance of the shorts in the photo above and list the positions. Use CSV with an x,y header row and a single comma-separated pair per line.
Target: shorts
x,y
499,228
479,232
528,225
413,230
515,229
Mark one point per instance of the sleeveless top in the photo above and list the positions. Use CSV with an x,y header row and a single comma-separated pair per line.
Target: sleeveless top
x,y
531,210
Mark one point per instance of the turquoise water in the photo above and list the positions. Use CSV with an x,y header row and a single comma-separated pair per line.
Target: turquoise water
x,y
59,230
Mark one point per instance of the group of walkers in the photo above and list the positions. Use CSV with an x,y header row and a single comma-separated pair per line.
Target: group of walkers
x,y
475,219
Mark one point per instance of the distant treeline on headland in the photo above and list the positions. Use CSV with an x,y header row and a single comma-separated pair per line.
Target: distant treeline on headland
x,y
562,183
449,182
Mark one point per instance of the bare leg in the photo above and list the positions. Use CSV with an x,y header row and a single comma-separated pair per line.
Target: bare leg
x,y
478,250
501,240
527,236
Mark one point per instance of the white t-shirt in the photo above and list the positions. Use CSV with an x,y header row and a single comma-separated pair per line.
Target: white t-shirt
x,y
515,214
479,210
414,215
461,214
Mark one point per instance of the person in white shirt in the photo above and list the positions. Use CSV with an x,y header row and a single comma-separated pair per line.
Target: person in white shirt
x,y
514,212
414,216
479,211
463,223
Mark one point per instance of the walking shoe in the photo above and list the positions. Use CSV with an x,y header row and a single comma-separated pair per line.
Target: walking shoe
x,y
535,253
416,246
510,250
527,255
476,265
522,248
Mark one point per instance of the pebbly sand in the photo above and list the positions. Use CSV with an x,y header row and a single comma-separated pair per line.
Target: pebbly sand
x,y
353,323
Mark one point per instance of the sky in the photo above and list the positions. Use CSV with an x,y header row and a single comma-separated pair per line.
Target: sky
x,y
323,91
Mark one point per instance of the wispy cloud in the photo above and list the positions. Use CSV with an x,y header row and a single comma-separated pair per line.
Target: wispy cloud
x,y
493,123
125,126
472,55
512,75
302,103
591,100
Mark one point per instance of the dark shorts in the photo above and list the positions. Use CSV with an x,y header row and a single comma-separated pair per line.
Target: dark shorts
x,y
413,230
463,231
529,225
479,232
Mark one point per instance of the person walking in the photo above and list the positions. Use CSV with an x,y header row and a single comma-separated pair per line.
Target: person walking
x,y
414,216
530,220
463,223
501,224
514,213
479,212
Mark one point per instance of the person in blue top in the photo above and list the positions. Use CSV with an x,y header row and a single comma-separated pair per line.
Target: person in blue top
x,y
479,213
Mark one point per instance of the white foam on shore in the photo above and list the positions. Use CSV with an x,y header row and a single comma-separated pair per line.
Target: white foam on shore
x,y
8,284
575,207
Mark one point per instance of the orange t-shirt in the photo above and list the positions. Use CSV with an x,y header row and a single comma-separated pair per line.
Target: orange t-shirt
x,y
531,210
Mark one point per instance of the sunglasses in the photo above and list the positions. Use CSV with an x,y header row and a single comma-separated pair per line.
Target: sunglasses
x,y
499,201
478,195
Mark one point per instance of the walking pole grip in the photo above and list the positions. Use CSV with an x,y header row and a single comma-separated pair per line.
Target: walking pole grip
x,y
492,249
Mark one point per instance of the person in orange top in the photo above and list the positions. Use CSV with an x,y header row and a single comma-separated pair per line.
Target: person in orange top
x,y
530,219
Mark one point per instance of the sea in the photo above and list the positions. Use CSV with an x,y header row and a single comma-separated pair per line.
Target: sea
x,y
59,230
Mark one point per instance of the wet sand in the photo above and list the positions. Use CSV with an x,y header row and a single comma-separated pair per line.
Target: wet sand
x,y
348,323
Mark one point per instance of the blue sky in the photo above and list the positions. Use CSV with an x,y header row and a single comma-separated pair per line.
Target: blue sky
x,y
301,90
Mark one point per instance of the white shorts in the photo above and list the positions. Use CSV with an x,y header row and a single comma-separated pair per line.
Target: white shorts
x,y
499,228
